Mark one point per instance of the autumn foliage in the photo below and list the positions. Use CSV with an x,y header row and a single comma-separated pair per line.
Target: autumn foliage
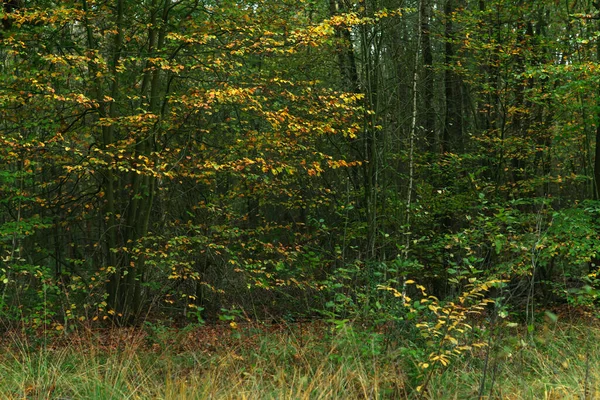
x,y
421,167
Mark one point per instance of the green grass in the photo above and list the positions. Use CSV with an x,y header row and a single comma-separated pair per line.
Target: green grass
x,y
558,361
309,361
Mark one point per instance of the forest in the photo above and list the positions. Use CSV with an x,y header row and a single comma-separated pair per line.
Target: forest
x,y
406,189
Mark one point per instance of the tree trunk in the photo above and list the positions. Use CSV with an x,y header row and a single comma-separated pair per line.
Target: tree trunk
x,y
453,127
428,93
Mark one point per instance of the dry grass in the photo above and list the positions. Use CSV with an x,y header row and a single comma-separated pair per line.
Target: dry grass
x,y
254,362
310,361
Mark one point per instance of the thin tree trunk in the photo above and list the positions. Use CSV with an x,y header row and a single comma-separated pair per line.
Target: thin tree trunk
x,y
413,127
597,144
424,46
453,127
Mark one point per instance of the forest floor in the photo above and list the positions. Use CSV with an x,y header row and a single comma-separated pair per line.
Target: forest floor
x,y
312,360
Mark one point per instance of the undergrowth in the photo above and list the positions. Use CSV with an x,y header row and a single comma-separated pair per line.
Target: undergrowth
x,y
296,361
